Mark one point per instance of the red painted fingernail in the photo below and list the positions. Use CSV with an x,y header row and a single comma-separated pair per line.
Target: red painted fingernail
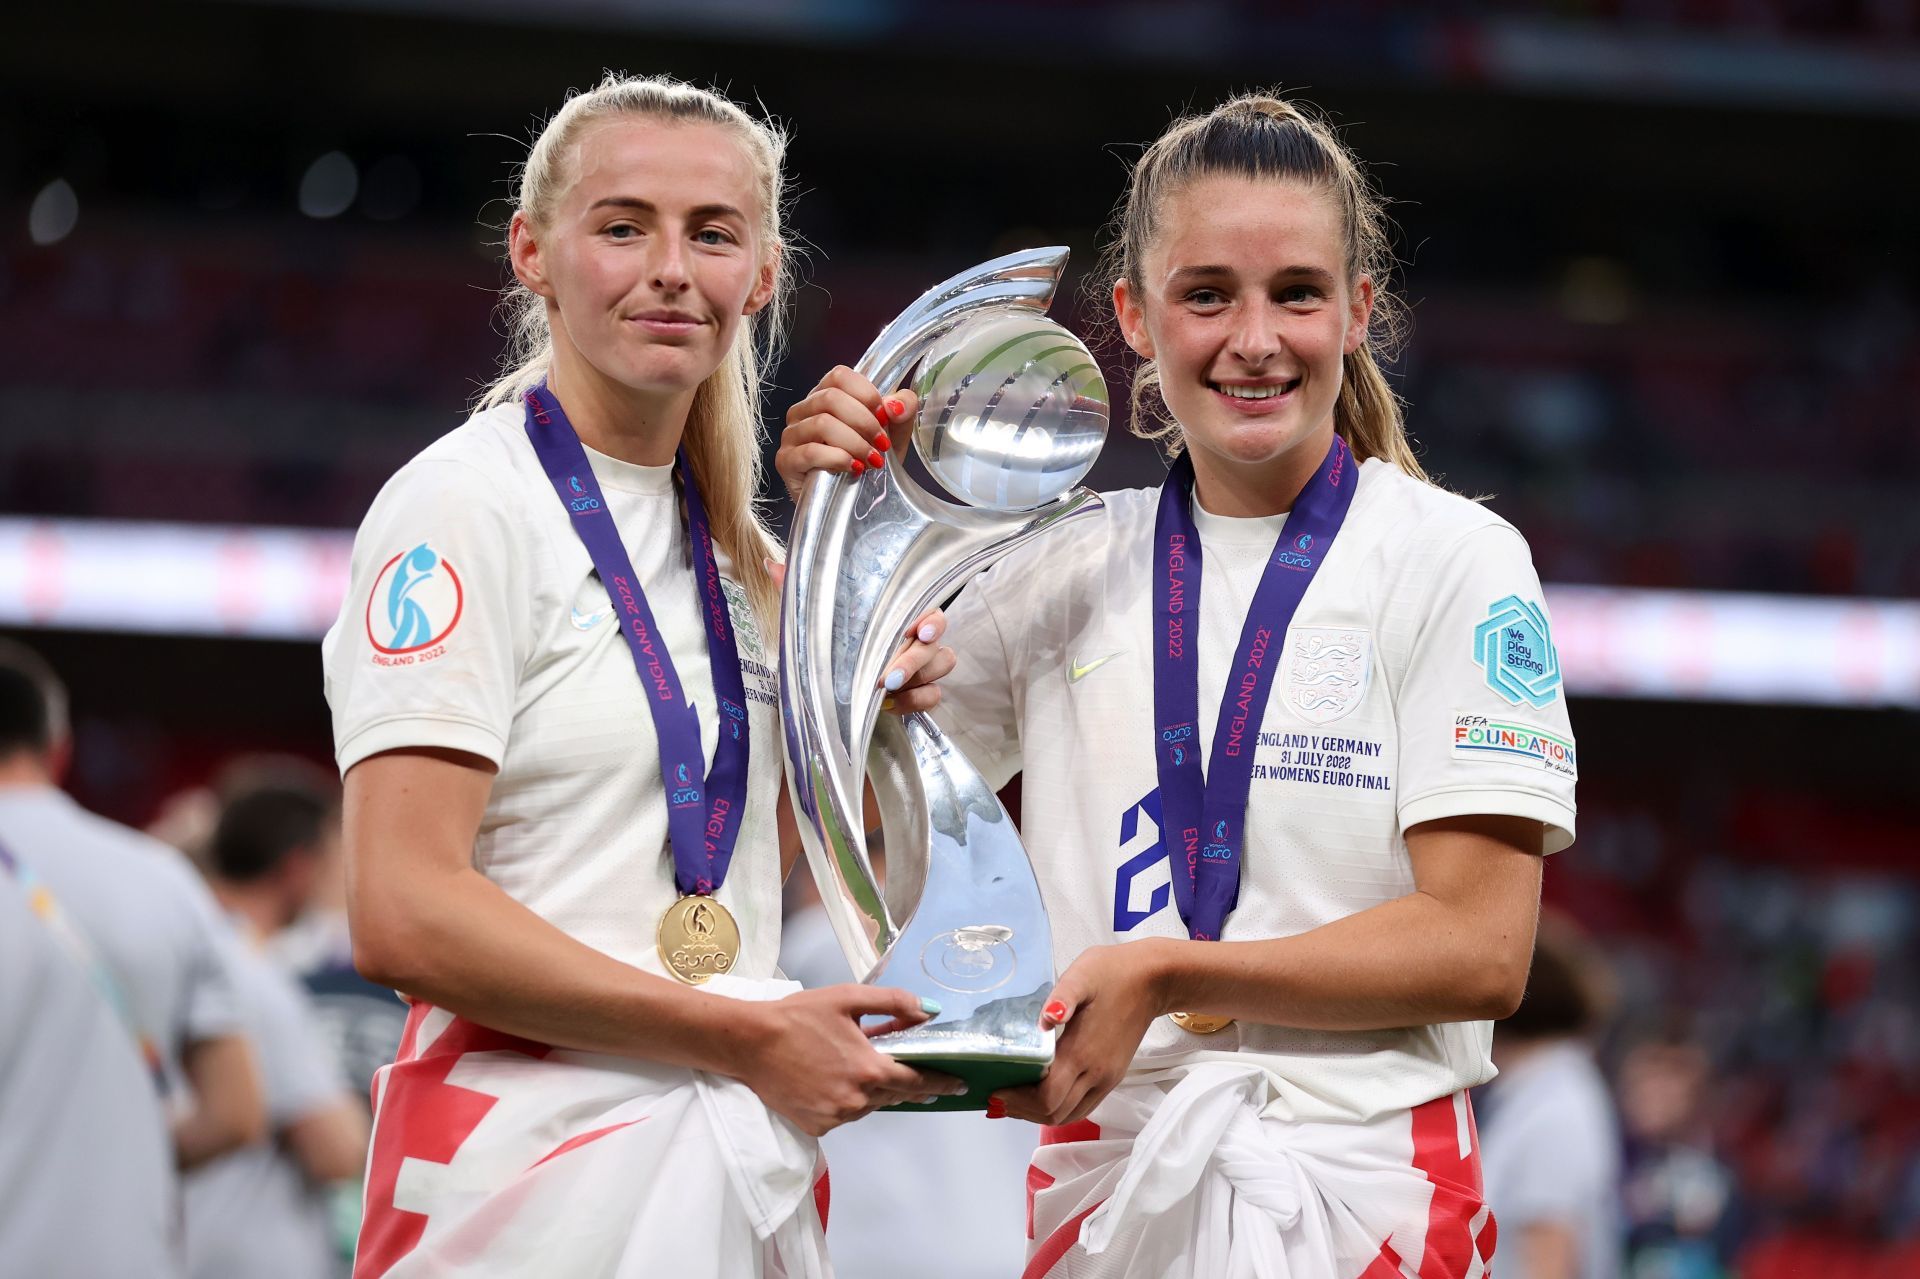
x,y
881,412
859,467
895,409
996,1109
1055,1011
881,442
875,460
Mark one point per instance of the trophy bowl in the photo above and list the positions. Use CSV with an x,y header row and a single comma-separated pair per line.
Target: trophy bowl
x,y
1013,411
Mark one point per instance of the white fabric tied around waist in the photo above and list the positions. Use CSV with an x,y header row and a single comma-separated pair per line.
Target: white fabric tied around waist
x,y
1209,1124
769,1160
1202,1172
588,1164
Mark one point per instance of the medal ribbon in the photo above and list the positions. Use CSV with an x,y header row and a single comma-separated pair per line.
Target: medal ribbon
x,y
703,808
1204,818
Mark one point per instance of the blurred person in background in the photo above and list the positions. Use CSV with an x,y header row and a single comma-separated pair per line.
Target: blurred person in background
x,y
1286,1096
1549,1137
362,1021
947,1181
550,630
1678,1196
87,1184
263,1209
138,905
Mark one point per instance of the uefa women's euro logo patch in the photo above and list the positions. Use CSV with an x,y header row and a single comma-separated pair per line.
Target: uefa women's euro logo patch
x,y
1514,647
415,603
1327,671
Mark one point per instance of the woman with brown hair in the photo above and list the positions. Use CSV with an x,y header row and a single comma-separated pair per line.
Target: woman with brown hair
x,y
1292,888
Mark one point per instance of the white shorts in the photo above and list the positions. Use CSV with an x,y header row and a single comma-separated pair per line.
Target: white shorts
x,y
1192,1174
498,1156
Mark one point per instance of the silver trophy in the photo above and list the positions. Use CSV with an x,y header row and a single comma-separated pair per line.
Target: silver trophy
x,y
1013,412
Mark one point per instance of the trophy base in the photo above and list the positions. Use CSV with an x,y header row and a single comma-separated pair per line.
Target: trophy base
x,y
984,1075
1000,1046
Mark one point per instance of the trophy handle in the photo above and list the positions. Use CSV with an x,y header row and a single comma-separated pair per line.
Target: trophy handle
x,y
844,617
866,557
1026,279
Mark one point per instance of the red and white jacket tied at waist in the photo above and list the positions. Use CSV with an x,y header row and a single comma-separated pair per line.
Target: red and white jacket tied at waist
x,y
499,1156
1198,1172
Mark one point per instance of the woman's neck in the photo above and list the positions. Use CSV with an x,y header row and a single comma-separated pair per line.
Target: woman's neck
x,y
1227,487
614,419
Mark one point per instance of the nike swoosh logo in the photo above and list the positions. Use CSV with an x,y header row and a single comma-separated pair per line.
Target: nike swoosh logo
x,y
587,621
1077,672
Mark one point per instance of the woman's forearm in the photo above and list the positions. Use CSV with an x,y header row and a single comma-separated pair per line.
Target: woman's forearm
x,y
427,924
454,939
1405,962
1455,949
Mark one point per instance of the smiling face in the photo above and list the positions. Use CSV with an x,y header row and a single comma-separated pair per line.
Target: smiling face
x,y
652,256
1244,303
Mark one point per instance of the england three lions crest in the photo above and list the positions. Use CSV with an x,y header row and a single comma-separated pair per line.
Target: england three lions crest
x,y
1327,671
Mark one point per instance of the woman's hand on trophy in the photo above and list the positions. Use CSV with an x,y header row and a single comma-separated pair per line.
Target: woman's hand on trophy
x,y
911,678
843,425
1103,1005
808,1057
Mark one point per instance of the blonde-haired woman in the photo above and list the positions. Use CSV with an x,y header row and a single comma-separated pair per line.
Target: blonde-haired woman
x,y
554,707
1290,889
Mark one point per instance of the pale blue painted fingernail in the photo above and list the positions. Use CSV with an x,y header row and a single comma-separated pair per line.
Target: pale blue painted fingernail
x,y
926,633
894,680
931,1007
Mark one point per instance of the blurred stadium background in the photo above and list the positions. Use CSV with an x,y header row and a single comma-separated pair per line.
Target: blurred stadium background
x,y
1665,290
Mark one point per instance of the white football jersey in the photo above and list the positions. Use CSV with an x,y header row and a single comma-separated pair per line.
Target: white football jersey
x,y
475,622
1418,680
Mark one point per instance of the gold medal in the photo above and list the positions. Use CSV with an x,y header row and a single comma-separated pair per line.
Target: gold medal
x,y
698,939
1200,1023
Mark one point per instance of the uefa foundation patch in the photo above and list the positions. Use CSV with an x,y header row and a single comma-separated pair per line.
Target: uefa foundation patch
x,y
1514,648
415,603
1513,742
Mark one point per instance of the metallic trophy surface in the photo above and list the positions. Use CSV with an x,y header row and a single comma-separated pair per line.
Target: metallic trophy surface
x,y
1012,414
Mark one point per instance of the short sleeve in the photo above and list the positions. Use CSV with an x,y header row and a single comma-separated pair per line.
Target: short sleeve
x,y
1482,714
211,997
430,639
301,1071
977,700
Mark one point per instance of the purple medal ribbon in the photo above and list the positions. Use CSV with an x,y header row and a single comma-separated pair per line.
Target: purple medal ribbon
x,y
1204,818
703,808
